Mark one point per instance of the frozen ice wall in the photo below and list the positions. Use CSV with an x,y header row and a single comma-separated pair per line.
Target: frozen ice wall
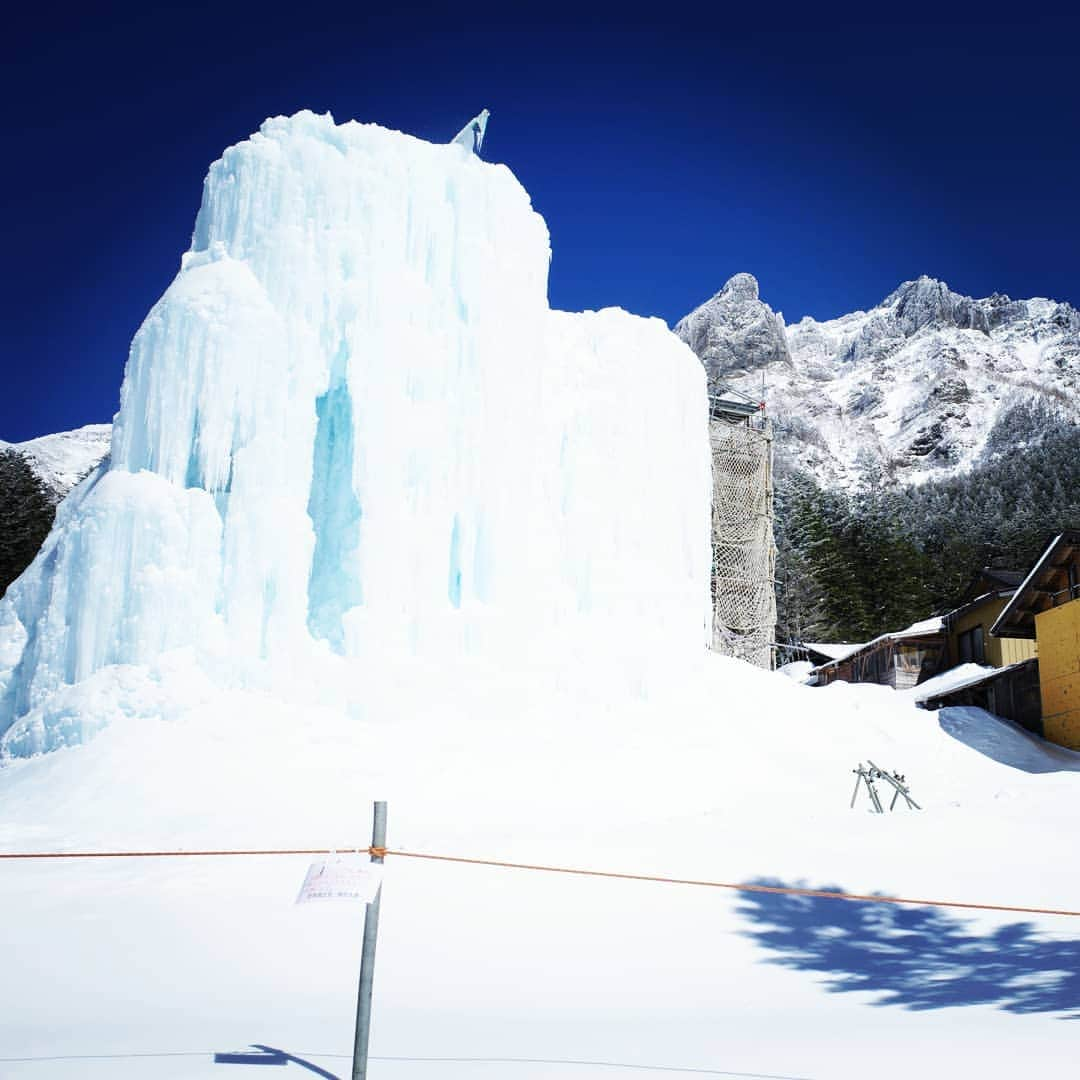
x,y
352,427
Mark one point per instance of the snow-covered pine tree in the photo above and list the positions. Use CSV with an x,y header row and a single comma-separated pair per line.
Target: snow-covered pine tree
x,y
26,515
852,567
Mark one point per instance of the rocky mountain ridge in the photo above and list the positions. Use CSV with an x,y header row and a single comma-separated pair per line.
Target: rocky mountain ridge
x,y
919,386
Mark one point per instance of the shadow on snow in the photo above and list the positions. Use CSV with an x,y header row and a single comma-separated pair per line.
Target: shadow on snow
x,y
1006,742
916,958
269,1055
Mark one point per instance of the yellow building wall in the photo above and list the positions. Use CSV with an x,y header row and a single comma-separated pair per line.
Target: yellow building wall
x,y
1058,633
999,651
1015,649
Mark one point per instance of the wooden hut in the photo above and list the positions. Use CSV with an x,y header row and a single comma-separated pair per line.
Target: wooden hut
x,y
1011,692
967,627
899,660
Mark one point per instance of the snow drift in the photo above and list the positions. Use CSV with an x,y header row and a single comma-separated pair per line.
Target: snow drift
x,y
353,427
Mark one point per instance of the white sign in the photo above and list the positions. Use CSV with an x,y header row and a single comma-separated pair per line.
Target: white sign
x,y
341,878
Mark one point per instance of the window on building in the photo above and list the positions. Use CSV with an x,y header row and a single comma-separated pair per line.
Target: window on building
x,y
972,646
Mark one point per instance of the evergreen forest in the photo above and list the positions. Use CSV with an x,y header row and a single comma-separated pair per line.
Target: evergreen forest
x,y
851,566
26,515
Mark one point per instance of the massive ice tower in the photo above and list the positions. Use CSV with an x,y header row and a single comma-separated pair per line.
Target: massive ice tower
x,y
352,428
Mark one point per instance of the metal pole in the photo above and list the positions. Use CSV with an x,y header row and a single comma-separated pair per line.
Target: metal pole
x,y
901,789
871,776
858,781
367,957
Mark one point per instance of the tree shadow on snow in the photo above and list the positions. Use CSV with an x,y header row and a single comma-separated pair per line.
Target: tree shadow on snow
x,y
916,958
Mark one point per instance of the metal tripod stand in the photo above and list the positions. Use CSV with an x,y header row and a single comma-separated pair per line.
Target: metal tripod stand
x,y
868,775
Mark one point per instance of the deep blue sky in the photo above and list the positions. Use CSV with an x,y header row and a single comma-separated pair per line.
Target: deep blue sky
x,y
831,152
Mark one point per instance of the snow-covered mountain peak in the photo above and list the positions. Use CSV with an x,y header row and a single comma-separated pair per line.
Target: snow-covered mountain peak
x,y
741,287
923,290
63,459
734,332
915,386
927,301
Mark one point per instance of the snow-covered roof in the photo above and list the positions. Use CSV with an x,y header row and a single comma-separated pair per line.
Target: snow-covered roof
x,y
961,678
833,650
924,628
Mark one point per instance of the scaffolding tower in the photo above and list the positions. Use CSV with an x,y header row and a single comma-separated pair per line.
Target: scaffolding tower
x,y
744,555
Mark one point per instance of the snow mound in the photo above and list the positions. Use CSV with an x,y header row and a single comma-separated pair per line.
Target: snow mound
x,y
733,774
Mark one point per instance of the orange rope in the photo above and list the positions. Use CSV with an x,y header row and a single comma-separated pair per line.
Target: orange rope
x,y
785,890
782,890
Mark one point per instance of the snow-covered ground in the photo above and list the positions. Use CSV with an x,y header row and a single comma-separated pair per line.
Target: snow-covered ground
x,y
734,775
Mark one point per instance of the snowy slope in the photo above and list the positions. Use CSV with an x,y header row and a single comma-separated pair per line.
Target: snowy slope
x,y
63,459
737,775
914,387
